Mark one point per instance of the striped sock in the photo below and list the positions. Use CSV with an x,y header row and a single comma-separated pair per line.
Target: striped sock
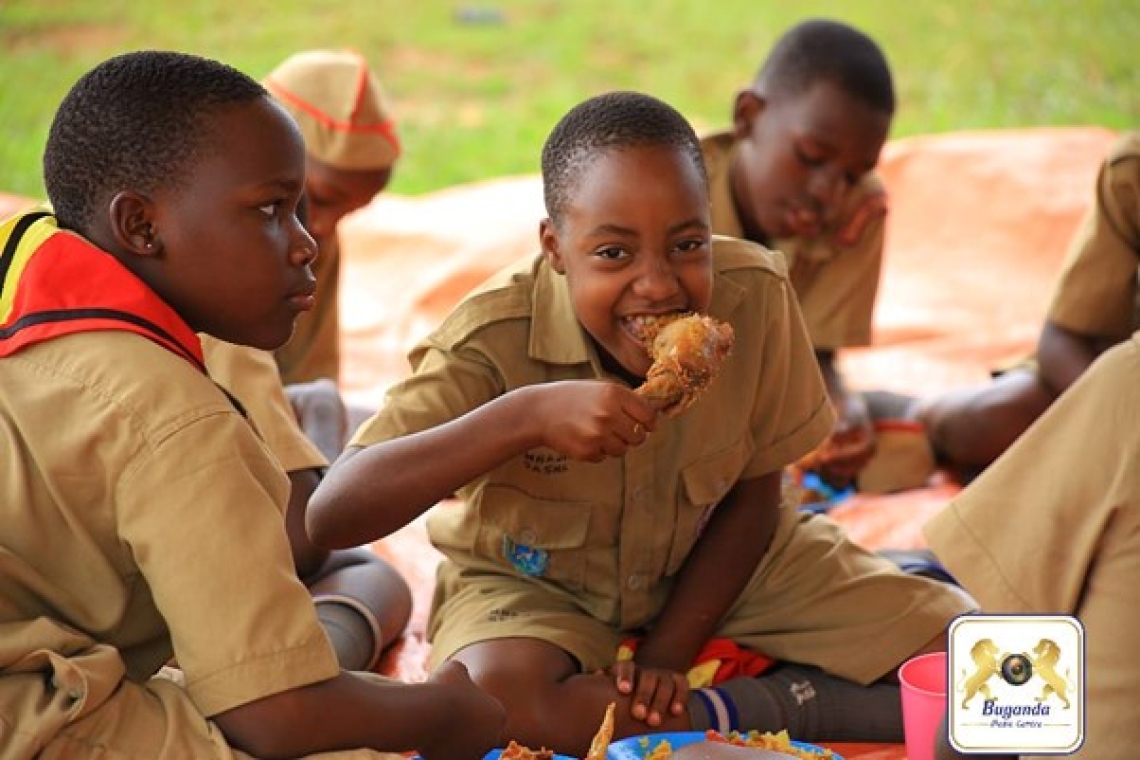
x,y
810,704
711,708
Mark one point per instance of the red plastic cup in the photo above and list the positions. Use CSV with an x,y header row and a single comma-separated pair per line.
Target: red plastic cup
x,y
922,682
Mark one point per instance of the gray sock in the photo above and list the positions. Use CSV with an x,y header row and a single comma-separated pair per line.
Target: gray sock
x,y
350,633
812,705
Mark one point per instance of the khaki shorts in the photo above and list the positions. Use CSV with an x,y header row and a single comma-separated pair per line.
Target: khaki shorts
x,y
816,598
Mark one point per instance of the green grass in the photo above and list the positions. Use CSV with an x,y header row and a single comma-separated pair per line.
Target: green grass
x,y
476,100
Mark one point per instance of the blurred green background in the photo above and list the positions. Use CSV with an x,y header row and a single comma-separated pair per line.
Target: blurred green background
x,y
477,86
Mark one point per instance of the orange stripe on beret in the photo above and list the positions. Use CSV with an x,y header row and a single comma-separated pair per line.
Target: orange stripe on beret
x,y
340,107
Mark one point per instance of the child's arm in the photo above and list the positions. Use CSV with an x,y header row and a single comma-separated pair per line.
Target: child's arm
x,y
1064,355
722,562
371,492
447,717
307,557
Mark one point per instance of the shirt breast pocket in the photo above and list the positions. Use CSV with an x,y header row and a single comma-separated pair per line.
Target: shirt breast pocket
x,y
536,537
704,483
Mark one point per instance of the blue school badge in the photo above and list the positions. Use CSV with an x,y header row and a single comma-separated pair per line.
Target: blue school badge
x,y
526,559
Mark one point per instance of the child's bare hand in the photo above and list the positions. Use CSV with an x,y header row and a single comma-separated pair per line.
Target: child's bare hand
x,y
592,419
846,454
656,692
849,448
477,719
624,673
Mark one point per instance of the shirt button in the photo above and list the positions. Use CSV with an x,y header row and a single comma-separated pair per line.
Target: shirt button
x,y
634,582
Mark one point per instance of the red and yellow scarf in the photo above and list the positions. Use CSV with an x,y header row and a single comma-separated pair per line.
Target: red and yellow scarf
x,y
54,283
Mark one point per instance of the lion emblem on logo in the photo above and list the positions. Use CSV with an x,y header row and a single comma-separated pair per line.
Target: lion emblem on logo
x,y
1044,659
986,657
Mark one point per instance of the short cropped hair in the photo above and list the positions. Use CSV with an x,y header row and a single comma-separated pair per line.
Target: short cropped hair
x,y
137,121
612,121
825,50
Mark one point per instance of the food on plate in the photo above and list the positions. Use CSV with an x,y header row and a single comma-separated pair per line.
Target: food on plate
x,y
687,352
779,743
516,751
598,747
707,750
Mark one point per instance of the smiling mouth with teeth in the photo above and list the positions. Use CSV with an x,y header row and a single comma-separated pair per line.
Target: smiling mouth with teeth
x,y
645,327
688,351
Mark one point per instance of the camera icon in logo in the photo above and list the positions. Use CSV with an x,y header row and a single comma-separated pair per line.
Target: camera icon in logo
x,y
1016,669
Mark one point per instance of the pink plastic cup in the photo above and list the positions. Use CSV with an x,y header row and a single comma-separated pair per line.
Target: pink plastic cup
x,y
922,682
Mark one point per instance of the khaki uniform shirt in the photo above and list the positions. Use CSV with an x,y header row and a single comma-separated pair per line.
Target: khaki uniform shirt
x,y
1097,292
1054,527
251,377
142,519
314,350
613,533
835,275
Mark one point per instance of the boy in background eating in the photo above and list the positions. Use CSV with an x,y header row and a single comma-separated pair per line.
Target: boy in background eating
x,y
796,174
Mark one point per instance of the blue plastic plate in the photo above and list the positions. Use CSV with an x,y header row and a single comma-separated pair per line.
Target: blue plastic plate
x,y
494,755
637,747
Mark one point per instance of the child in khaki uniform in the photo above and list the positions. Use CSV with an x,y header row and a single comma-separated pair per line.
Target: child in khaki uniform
x,y
1093,307
142,516
796,174
584,518
351,149
1053,527
363,602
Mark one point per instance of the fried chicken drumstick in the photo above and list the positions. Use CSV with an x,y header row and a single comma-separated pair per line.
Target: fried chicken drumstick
x,y
687,353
